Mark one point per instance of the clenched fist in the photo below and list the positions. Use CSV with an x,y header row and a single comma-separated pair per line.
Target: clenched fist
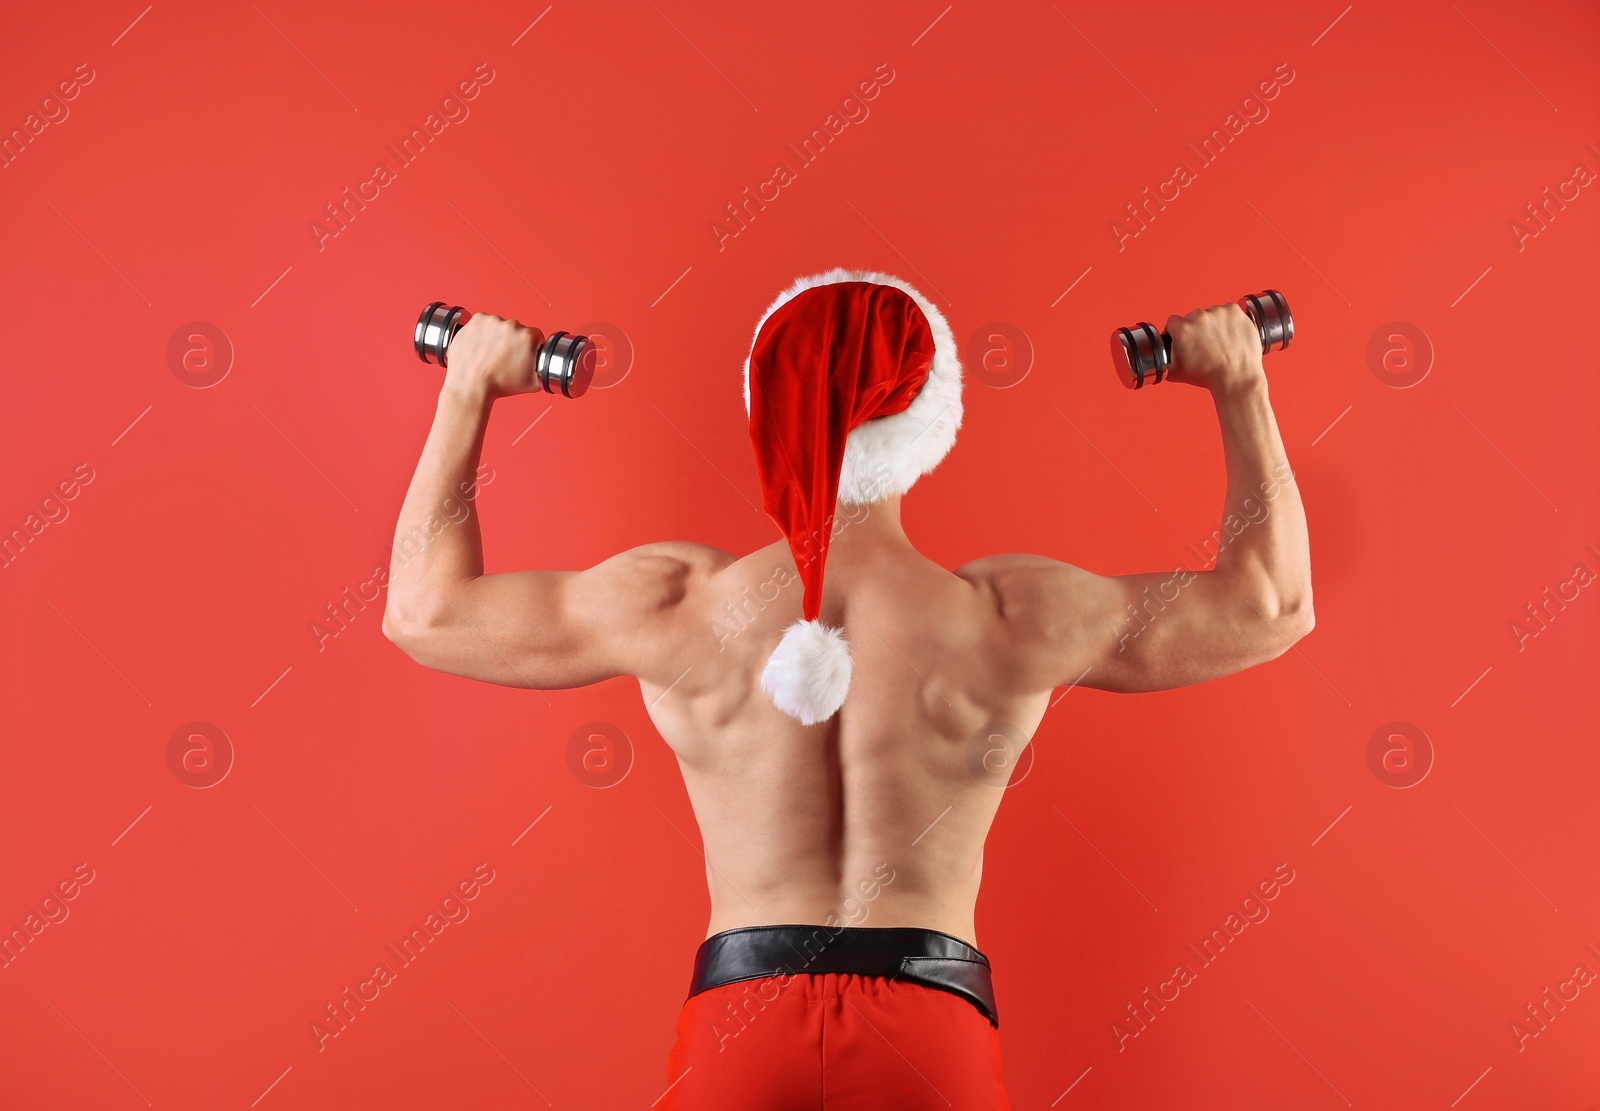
x,y
492,357
1218,348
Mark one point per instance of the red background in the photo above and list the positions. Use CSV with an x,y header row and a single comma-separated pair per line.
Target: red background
x,y
582,186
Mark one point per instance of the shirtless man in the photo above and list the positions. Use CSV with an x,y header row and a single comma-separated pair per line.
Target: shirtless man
x,y
843,857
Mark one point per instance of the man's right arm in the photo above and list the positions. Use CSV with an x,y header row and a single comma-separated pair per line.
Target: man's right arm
x,y
1170,629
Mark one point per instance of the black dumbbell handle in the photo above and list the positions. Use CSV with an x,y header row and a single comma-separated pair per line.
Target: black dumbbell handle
x,y
565,362
1141,354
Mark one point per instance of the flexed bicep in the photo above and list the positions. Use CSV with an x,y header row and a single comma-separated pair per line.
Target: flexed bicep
x,y
553,630
1066,626
1169,629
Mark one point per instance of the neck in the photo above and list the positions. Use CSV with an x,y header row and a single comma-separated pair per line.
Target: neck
x,y
862,528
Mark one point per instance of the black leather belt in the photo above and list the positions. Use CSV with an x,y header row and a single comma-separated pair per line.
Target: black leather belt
x,y
928,957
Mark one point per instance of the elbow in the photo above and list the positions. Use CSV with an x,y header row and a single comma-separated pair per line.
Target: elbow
x,y
402,634
394,627
1291,617
1285,609
405,625
1298,622
1295,609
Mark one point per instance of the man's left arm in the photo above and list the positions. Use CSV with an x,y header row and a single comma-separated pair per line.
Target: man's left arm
x,y
540,629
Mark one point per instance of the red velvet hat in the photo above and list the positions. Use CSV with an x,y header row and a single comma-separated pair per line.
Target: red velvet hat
x,y
832,357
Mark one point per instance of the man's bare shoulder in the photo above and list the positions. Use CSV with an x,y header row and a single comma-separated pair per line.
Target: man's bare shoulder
x,y
643,602
640,585
992,565
701,558
1051,616
670,567
1018,582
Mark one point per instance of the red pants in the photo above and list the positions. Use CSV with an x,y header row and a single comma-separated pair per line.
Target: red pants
x,y
832,1040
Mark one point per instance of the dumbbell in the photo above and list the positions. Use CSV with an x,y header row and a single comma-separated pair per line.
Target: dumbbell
x,y
565,362
1141,354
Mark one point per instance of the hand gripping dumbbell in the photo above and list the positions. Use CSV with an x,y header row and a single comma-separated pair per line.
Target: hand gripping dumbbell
x,y
1141,354
565,362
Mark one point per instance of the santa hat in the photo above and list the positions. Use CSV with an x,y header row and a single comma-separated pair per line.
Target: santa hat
x,y
853,389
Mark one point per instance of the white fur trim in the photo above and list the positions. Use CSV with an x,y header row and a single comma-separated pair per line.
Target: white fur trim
x,y
808,674
883,457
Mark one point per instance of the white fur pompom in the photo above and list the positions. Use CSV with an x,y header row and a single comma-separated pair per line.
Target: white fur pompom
x,y
808,674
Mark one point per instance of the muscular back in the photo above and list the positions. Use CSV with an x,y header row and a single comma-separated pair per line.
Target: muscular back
x,y
878,815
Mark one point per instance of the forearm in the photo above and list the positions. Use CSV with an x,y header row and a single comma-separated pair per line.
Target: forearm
x,y
1262,545
438,546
